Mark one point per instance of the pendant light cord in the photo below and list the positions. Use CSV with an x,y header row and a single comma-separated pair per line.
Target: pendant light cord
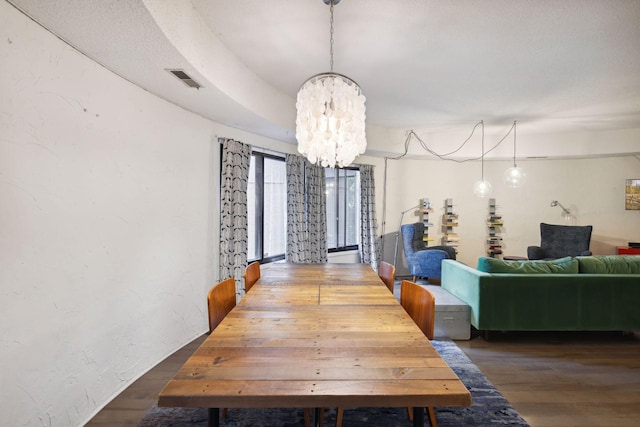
x,y
514,144
482,156
331,37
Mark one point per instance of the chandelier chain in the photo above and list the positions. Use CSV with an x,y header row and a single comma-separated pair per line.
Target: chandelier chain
x,y
331,37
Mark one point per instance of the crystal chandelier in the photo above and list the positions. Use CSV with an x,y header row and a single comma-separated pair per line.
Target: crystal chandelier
x,y
330,122
482,188
514,177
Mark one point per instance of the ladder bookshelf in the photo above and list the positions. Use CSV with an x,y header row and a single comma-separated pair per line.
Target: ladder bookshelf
x,y
449,224
425,210
494,230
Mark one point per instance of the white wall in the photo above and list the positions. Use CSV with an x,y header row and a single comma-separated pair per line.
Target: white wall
x,y
105,199
594,188
107,228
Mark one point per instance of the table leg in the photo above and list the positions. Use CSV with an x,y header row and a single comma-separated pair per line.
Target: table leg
x,y
214,417
418,417
316,417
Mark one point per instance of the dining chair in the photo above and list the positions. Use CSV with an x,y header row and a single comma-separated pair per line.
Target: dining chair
x,y
420,304
320,414
387,273
220,301
251,275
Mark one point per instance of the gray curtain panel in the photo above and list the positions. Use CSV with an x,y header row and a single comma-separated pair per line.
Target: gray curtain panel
x,y
306,211
369,247
234,176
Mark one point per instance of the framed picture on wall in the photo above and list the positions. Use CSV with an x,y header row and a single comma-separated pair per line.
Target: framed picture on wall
x,y
632,195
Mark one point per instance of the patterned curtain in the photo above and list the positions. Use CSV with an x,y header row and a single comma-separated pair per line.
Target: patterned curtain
x,y
306,211
369,251
234,176
316,185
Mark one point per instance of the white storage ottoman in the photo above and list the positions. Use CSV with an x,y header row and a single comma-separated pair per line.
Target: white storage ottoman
x,y
452,315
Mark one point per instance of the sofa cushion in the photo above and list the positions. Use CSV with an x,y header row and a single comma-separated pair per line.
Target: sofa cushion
x,y
609,264
566,265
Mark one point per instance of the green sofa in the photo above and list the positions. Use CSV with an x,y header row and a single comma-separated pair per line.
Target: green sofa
x,y
591,293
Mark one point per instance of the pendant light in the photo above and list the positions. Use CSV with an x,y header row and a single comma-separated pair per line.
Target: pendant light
x,y
514,177
330,121
482,188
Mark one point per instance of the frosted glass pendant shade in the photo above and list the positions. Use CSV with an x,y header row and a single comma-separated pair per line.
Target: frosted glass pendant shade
x,y
330,122
515,177
482,188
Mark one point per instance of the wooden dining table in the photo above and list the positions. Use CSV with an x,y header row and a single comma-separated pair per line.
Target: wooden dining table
x,y
316,336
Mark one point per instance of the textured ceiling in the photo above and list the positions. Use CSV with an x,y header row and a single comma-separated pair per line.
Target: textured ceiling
x,y
557,66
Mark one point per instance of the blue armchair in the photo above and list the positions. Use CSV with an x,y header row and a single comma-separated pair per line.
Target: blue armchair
x,y
423,261
557,241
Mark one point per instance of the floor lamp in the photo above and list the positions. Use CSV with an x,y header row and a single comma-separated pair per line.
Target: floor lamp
x,y
395,253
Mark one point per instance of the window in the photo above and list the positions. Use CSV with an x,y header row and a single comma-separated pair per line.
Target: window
x,y
343,209
266,208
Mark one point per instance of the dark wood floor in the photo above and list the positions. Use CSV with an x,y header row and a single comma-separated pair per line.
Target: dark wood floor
x,y
552,379
564,379
128,408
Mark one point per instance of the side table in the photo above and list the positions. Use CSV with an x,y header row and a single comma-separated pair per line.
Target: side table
x,y
626,250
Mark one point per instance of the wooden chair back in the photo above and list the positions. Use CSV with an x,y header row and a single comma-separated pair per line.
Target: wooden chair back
x,y
220,300
251,275
421,306
387,273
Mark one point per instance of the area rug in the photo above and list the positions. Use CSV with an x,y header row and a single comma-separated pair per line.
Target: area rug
x,y
489,407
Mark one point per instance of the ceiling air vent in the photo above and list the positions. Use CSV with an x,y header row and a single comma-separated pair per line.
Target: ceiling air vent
x,y
185,78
